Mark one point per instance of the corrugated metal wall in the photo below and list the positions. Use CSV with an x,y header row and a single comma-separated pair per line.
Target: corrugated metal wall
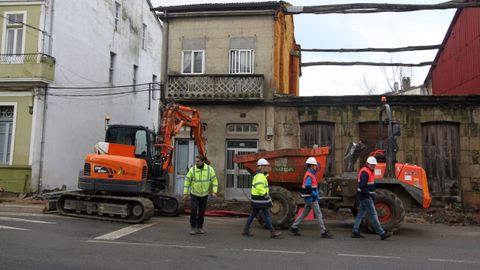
x,y
458,67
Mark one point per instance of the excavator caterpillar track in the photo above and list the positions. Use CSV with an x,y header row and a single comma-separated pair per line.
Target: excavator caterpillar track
x,y
106,207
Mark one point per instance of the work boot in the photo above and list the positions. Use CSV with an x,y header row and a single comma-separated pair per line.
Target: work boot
x,y
356,235
246,232
193,231
274,233
294,231
200,231
386,235
327,235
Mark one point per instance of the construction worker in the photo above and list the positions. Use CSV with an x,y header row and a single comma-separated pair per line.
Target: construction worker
x,y
199,182
261,200
311,196
366,196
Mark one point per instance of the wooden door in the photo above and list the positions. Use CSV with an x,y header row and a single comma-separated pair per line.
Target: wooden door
x,y
321,134
368,134
441,153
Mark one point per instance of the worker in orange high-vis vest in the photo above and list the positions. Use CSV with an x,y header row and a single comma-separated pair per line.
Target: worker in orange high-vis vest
x,y
366,197
310,194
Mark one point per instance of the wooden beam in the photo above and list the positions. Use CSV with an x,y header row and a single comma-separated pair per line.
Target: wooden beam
x,y
375,8
399,49
358,63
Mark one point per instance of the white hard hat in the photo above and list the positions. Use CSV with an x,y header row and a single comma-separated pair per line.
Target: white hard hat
x,y
262,162
372,161
312,161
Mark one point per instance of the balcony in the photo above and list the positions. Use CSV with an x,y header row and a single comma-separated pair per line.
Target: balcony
x,y
27,67
215,87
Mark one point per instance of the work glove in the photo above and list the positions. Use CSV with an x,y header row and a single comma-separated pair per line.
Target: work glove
x,y
185,197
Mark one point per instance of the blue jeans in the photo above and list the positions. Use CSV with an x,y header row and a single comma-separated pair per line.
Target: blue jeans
x,y
266,214
366,205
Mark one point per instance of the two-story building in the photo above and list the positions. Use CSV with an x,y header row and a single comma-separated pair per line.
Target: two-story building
x,y
229,61
64,67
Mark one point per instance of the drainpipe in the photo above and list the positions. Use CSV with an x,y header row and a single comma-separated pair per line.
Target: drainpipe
x,y
164,68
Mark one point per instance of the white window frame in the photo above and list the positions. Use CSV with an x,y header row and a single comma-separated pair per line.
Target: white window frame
x,y
4,37
235,69
14,124
193,61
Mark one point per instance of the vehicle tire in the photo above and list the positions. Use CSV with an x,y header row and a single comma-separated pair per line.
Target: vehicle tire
x,y
390,210
283,210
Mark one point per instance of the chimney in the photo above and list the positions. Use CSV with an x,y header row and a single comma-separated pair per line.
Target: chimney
x,y
405,83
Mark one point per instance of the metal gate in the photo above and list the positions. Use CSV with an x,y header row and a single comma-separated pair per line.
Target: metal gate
x,y
441,148
321,134
238,180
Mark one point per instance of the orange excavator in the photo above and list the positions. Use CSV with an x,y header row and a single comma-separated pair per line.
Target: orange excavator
x,y
126,178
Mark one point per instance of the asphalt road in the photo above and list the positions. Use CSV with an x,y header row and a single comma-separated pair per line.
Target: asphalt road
x,y
31,240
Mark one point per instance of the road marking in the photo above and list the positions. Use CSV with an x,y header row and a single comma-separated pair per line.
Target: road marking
x,y
25,220
273,251
124,231
453,261
13,228
368,256
143,244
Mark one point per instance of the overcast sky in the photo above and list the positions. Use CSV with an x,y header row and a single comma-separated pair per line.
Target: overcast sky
x,y
359,31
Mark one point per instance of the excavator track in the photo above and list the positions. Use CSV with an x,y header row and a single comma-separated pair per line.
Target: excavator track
x,y
105,207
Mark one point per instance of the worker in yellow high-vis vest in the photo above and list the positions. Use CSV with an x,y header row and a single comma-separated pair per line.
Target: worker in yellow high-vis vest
x,y
198,184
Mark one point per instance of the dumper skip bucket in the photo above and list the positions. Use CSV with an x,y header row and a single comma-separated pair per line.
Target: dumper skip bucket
x,y
287,165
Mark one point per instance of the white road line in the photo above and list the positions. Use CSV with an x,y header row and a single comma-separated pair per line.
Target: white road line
x,y
143,244
124,231
453,261
13,228
273,251
25,220
368,256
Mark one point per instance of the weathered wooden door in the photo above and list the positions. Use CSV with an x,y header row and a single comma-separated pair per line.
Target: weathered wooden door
x,y
368,134
321,134
441,148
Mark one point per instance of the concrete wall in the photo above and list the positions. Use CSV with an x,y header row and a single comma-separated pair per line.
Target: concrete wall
x,y
83,35
216,33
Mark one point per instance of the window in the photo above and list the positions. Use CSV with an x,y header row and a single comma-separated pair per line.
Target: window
x,y
117,14
242,128
144,33
135,71
14,33
6,128
112,66
241,61
193,62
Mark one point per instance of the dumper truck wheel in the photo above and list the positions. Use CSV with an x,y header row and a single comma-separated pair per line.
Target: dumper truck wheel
x,y
390,210
283,208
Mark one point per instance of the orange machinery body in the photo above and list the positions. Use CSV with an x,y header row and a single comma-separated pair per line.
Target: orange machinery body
x,y
117,170
411,175
287,165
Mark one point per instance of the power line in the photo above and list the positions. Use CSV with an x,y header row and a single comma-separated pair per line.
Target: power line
x,y
398,49
100,87
27,25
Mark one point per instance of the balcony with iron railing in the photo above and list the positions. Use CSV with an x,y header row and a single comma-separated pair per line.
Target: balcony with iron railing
x,y
215,87
30,66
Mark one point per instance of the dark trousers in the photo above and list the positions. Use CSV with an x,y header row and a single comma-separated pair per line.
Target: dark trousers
x,y
198,206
